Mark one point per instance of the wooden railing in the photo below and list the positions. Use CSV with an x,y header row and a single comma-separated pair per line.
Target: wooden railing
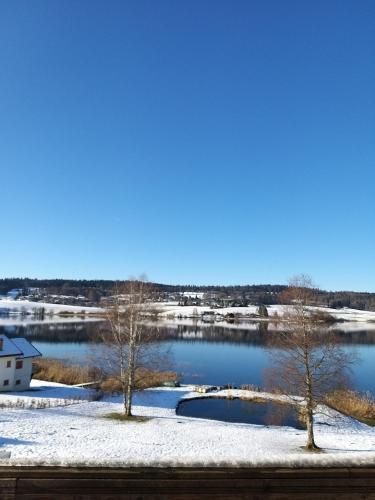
x,y
186,483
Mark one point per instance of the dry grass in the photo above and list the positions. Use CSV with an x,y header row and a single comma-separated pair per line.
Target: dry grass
x,y
123,418
54,370
360,406
143,379
148,378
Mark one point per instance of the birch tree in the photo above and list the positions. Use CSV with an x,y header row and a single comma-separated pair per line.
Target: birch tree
x,y
127,338
307,359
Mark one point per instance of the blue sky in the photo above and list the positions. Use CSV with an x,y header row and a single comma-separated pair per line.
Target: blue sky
x,y
205,141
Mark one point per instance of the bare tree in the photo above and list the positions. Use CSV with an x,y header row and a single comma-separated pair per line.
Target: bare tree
x,y
307,362
128,339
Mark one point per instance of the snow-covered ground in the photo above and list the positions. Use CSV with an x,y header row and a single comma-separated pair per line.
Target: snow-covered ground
x,y
80,435
50,393
172,309
167,310
21,313
17,306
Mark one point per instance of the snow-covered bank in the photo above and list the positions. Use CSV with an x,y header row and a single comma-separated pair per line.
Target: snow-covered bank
x,y
22,312
276,311
50,393
26,312
80,435
28,306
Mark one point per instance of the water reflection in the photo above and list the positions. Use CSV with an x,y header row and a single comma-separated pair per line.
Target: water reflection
x,y
256,334
241,411
210,354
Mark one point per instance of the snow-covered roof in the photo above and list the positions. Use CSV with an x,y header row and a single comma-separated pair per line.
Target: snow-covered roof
x,y
9,348
27,349
18,347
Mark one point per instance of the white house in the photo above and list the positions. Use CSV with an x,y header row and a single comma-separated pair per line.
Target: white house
x,y
16,363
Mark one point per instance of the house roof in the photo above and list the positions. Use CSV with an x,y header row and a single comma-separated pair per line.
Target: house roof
x,y
9,348
27,349
18,347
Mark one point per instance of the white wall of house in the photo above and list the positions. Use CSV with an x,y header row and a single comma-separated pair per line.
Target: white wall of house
x,y
13,378
7,367
22,376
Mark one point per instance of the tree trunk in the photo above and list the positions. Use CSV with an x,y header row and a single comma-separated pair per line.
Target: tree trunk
x,y
129,390
129,396
310,445
123,380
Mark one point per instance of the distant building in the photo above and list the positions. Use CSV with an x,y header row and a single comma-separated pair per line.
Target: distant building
x,y
16,363
208,316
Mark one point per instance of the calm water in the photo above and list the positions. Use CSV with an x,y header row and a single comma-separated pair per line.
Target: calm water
x,y
237,410
212,354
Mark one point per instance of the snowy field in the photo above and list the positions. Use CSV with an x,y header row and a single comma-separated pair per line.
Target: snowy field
x,y
79,434
21,313
171,309
17,306
166,310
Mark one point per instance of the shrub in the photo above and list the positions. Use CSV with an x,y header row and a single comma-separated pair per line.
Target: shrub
x,y
360,406
262,311
54,370
323,317
144,378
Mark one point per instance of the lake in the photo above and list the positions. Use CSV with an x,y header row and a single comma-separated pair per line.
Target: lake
x,y
214,354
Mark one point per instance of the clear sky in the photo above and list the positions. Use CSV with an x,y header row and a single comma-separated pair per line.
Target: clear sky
x,y
199,141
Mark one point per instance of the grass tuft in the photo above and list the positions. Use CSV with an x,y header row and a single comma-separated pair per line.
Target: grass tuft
x,y
123,418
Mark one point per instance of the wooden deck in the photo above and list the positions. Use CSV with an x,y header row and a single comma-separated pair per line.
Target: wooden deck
x,y
185,483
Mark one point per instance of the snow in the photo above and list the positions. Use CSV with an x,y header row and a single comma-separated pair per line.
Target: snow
x,y
167,310
193,295
79,434
172,309
29,306
9,348
51,393
27,349
17,347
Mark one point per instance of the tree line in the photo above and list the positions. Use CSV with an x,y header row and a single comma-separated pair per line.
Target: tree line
x,y
266,294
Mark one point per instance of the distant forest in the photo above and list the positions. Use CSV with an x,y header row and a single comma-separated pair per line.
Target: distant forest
x,y
94,290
